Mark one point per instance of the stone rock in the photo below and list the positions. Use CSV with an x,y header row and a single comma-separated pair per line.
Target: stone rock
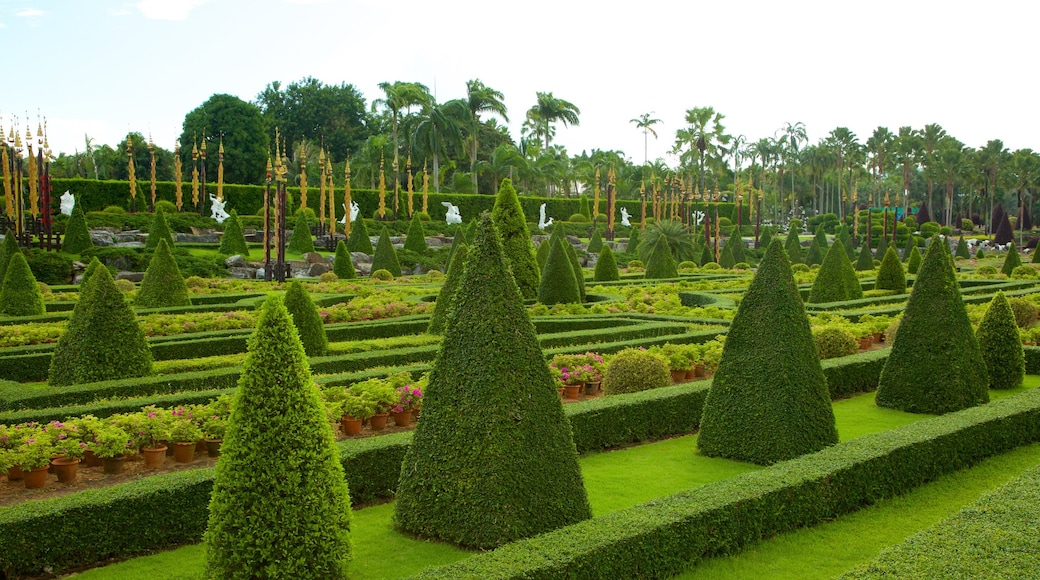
x,y
128,236
244,272
361,258
574,241
437,242
128,245
317,269
313,257
102,237
236,261
193,239
364,268
131,276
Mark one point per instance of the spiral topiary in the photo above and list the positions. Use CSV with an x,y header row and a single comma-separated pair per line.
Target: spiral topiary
x,y
635,369
163,284
1000,346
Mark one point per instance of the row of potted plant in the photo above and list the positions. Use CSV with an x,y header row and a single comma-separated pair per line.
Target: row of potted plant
x,y
573,372
375,400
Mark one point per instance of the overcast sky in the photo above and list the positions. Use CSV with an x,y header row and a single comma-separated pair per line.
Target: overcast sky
x,y
106,67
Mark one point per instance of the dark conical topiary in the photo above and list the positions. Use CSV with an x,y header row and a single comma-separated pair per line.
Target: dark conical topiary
x,y
913,263
793,246
1004,232
923,215
77,236
558,285
306,319
632,247
163,284
233,241
542,254
865,260
415,241
769,399
935,365
103,339
159,230
890,274
962,249
7,251
706,256
606,266
288,518
359,240
509,218
441,308
764,237
813,257
1036,255
821,240
882,247
301,242
1011,261
21,294
661,264
726,257
579,273
736,245
595,242
343,265
832,281
385,257
1000,346
492,460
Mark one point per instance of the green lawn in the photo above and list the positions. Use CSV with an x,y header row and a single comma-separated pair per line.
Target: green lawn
x,y
623,478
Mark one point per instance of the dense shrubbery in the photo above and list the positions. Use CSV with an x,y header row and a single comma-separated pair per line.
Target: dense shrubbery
x,y
20,295
306,319
834,341
163,284
1000,346
634,370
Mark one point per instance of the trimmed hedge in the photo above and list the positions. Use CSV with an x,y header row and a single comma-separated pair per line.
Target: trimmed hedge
x,y
233,241
606,266
158,230
439,318
891,275
1000,346
306,319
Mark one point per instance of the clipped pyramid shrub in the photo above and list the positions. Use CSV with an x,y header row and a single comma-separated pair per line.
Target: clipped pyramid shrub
x,y
457,240
442,307
764,237
705,258
163,284
359,240
1000,345
415,240
301,242
882,247
832,282
595,242
558,285
471,230
7,251
492,459
233,241
1011,261
343,265
632,246
913,263
385,257
821,240
726,257
661,264
962,250
890,274
1004,233
103,339
542,254
158,230
606,266
508,216
865,260
736,244
280,507
814,256
579,273
21,294
769,400
1036,256
77,236
793,246
306,319
935,365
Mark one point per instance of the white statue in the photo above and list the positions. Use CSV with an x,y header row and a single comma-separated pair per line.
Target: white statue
x,y
217,208
698,217
624,217
542,222
68,201
453,216
354,209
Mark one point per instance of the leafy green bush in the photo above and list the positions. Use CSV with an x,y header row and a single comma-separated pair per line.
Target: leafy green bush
x,y
277,412
382,275
385,257
508,216
1000,346
578,218
77,236
163,284
635,369
343,266
49,267
834,341
558,284
490,389
233,241
1025,311
21,294
158,230
768,400
890,275
306,319
1024,272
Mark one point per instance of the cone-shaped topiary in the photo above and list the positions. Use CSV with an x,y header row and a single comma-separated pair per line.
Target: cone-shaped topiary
x,y
233,241
1000,346
471,231
284,518
606,266
492,459
726,257
558,285
632,247
9,249
385,257
88,272
1011,261
21,294
865,260
300,241
1036,255
306,319
769,399
890,274
77,236
159,230
764,238
913,263
359,240
813,256
821,240
439,319
416,238
456,240
962,249
706,256
935,365
793,246
163,284
579,273
1004,232
852,284
661,263
882,247
737,242
832,283
542,254
595,242
103,339
343,265
583,206
516,239
979,255
850,251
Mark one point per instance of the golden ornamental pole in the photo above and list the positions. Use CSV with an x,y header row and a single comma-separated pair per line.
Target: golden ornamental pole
x,y
8,195
595,197
130,170
642,204
855,211
382,190
303,174
425,189
19,193
332,199
178,178
195,174
612,199
346,198
321,189
34,178
220,169
151,153
408,167
267,218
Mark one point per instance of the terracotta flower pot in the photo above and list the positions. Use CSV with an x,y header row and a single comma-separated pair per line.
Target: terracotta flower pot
x,y
403,419
864,343
213,447
114,465
350,425
678,376
698,370
66,469
184,452
35,478
378,421
14,473
878,337
415,414
91,459
154,457
571,391
591,387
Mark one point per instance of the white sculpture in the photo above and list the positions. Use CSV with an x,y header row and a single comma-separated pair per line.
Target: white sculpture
x,y
354,209
68,201
698,216
624,217
453,216
217,209
542,222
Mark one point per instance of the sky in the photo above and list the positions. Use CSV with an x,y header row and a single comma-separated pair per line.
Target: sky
x,y
105,67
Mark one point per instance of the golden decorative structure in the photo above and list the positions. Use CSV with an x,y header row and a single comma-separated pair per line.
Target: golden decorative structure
x,y
642,204
321,189
130,168
397,189
303,174
332,199
151,153
425,189
220,169
8,195
34,176
382,190
346,198
267,214
855,210
408,167
19,222
657,198
177,169
202,162
595,197
194,173
612,197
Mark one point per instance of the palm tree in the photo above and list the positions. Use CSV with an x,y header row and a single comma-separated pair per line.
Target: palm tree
x,y
948,164
645,123
440,125
504,160
707,134
908,155
879,144
400,95
930,137
842,140
992,159
791,138
1024,170
481,99
549,110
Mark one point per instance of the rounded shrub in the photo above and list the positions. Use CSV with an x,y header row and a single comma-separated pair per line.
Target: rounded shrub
x,y
194,282
168,207
158,230
686,266
125,286
834,341
306,319
342,265
558,283
1024,272
300,241
578,218
233,241
49,267
20,295
508,217
606,266
77,236
278,413
799,268
385,257
442,307
328,277
986,271
423,216
890,274
1024,310
381,275
114,209
635,369
1000,346
163,284
635,264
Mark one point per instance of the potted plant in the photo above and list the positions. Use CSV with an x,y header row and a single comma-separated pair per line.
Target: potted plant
x,y
87,426
34,457
711,353
353,411
71,451
383,397
185,435
153,428
679,360
407,396
566,368
111,444
213,429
